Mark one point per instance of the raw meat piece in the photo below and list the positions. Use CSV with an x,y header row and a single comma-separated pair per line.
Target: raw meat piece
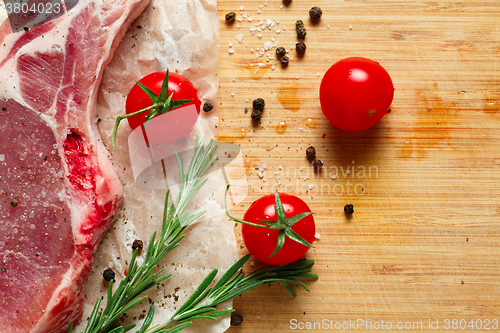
x,y
58,188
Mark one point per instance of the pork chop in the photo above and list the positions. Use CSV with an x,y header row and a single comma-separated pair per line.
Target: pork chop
x,y
58,188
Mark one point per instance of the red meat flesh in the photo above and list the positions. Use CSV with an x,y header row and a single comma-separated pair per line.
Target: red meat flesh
x,y
58,188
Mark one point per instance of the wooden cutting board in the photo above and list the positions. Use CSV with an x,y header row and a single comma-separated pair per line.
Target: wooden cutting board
x,y
422,249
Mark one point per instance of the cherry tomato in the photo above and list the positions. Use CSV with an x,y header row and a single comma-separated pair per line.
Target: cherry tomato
x,y
261,242
356,93
177,125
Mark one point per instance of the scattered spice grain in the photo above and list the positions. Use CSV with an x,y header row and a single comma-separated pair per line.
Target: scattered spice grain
x,y
285,60
258,104
311,152
300,47
317,164
137,244
236,320
349,209
256,114
108,274
301,32
280,51
315,13
230,17
207,107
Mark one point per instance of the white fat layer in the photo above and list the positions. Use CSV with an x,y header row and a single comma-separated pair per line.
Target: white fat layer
x,y
10,84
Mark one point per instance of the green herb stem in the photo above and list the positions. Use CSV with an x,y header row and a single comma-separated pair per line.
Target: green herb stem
x,y
204,300
141,278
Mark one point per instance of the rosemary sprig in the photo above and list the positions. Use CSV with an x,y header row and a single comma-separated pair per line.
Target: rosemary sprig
x,y
203,302
141,278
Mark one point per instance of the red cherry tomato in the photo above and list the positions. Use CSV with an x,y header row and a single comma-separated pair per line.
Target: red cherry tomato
x,y
177,125
261,242
356,93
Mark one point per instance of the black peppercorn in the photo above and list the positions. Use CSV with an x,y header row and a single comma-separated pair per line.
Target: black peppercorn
x,y
13,203
258,104
301,32
311,152
256,114
138,244
315,13
207,106
317,164
299,24
349,209
284,60
287,2
236,320
231,16
300,47
280,51
108,274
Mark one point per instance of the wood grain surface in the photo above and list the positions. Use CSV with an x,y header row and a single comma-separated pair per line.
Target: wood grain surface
x,y
422,246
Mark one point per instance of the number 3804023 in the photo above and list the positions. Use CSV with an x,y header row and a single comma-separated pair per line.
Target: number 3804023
x,y
478,324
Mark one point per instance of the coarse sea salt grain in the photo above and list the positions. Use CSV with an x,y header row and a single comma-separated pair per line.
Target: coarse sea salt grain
x,y
2,157
317,235
334,176
310,187
239,38
231,51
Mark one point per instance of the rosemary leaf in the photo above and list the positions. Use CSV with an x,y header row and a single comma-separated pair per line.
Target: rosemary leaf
x,y
141,278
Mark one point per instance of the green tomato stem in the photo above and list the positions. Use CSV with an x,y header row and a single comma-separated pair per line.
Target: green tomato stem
x,y
124,116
